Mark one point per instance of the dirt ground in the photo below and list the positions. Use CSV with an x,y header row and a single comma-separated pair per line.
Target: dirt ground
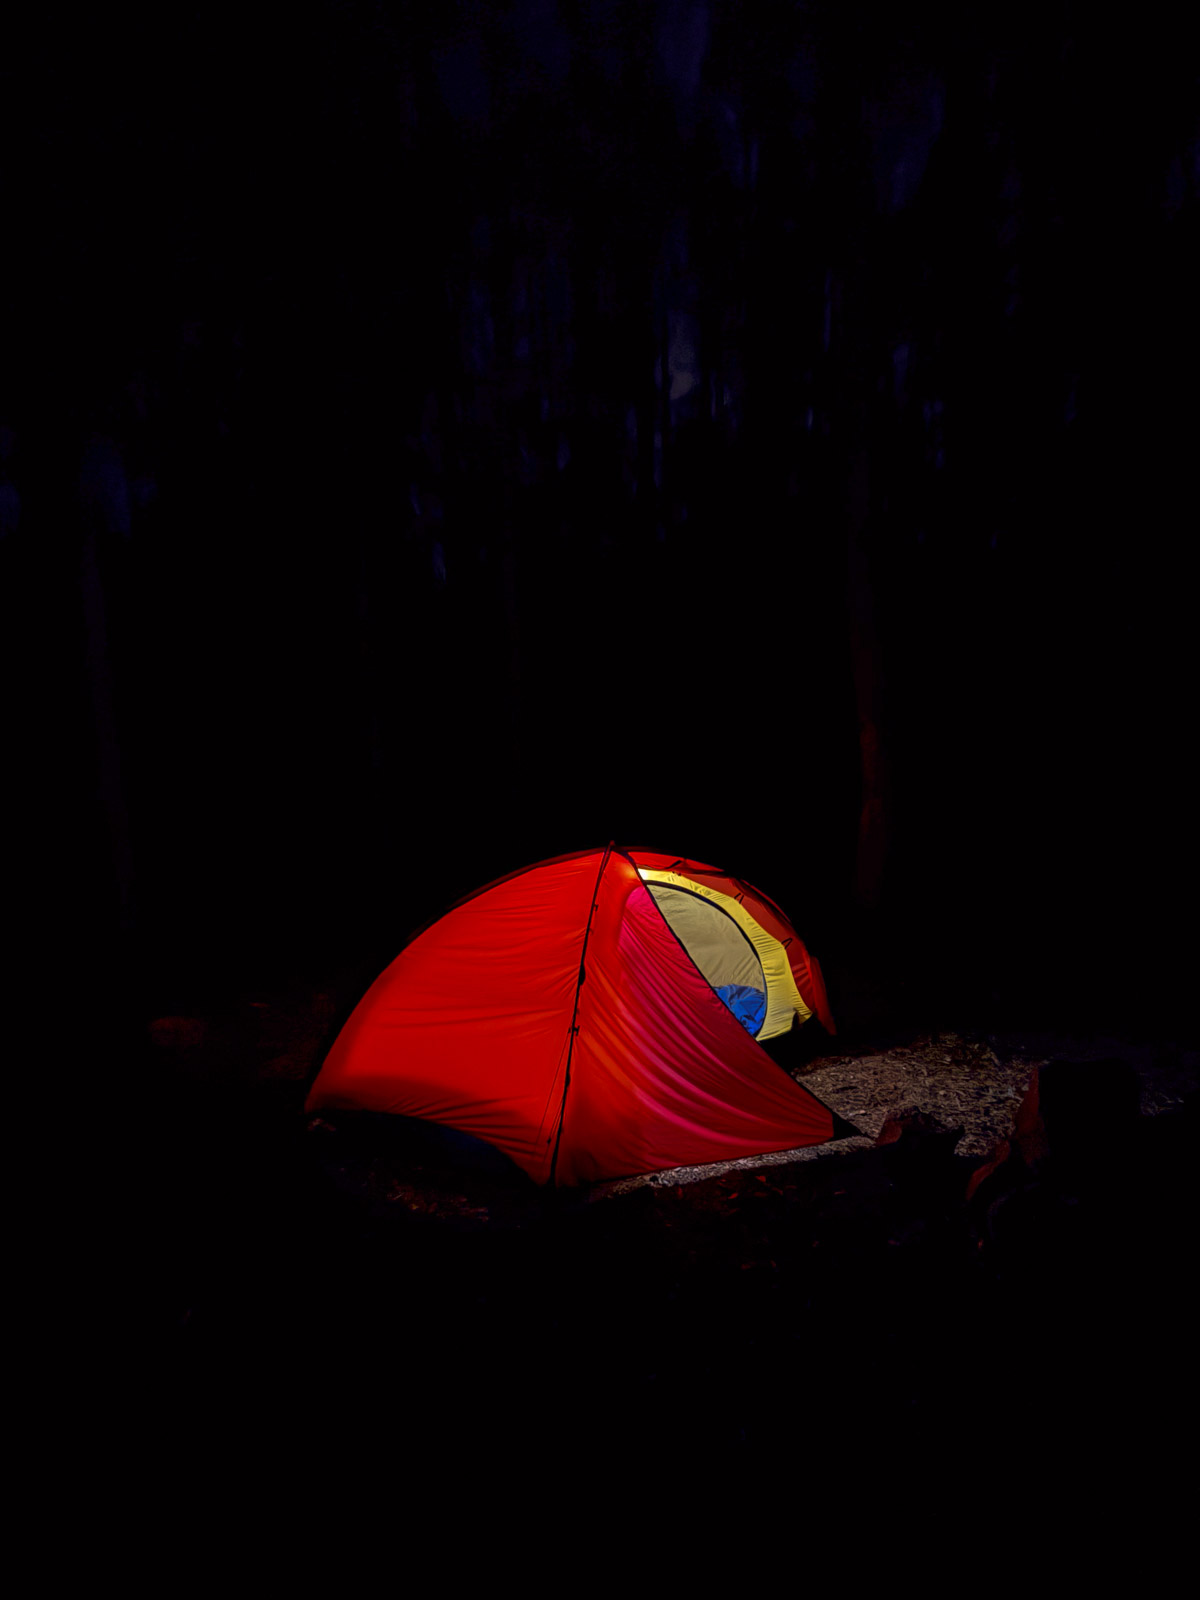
x,y
380,1279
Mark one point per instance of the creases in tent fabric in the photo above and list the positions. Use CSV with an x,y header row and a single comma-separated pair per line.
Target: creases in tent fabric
x,y
665,1075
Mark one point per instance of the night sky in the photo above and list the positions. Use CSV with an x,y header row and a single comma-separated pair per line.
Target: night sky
x,y
433,438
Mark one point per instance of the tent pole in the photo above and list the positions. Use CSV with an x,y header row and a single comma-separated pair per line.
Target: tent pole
x,y
587,933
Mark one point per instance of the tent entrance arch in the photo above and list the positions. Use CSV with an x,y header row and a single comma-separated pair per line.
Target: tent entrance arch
x,y
722,950
782,1005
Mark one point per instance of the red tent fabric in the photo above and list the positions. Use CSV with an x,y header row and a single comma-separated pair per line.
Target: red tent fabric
x,y
556,1015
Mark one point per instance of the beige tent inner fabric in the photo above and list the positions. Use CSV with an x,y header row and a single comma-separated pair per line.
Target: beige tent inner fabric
x,y
714,941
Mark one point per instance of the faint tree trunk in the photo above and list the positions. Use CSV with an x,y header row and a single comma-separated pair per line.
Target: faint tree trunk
x,y
874,810
105,506
849,341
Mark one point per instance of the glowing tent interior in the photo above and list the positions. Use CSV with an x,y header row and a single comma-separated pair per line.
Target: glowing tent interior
x,y
593,1016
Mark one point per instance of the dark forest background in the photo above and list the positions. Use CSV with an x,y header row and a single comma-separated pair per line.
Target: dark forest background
x,y
438,437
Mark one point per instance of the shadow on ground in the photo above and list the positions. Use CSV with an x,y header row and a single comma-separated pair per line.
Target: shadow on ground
x,y
370,1279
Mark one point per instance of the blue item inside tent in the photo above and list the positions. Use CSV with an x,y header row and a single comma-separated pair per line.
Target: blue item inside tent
x,y
748,1005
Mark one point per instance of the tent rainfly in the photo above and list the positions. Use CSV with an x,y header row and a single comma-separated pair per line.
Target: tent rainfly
x,y
593,1016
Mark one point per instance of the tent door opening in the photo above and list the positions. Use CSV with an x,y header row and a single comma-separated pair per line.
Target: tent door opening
x,y
720,949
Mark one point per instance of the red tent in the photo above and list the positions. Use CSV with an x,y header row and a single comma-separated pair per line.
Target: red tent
x,y
592,1016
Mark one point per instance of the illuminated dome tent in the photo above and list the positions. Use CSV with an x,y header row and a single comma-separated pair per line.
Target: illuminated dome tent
x,y
593,1016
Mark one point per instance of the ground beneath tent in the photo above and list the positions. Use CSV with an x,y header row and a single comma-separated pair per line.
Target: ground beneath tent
x,y
312,1262
968,1082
